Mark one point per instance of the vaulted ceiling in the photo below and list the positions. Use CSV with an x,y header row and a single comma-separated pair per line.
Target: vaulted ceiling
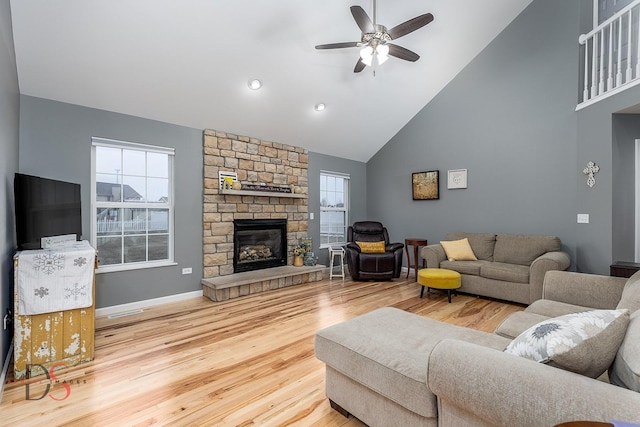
x,y
187,62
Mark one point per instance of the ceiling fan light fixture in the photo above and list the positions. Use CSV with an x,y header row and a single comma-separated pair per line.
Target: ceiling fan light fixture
x,y
374,38
366,54
255,84
382,53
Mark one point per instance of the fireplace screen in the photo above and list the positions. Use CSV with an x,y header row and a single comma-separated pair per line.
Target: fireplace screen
x,y
259,243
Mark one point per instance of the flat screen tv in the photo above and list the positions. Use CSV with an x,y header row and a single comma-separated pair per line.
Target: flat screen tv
x,y
44,208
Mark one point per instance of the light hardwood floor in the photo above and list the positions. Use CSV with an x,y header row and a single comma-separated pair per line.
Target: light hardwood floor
x,y
246,361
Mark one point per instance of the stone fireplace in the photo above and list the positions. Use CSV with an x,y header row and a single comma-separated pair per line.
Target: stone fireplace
x,y
259,243
256,163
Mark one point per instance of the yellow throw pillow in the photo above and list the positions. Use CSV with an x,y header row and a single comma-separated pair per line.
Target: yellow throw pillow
x,y
458,250
371,247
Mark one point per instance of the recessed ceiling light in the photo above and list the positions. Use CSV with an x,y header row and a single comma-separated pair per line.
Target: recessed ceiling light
x,y
319,107
255,84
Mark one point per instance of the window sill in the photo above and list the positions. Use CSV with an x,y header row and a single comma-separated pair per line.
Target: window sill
x,y
134,266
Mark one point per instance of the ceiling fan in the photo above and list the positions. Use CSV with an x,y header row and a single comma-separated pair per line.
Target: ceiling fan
x,y
375,39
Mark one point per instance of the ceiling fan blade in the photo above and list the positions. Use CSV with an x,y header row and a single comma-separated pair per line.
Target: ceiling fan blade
x,y
410,26
337,45
362,19
359,66
402,53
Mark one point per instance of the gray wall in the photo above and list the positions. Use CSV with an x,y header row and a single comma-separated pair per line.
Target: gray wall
x,y
55,142
9,137
357,195
610,218
626,129
509,119
605,139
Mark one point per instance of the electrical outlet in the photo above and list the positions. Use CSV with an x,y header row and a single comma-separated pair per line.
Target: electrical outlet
x,y
310,215
188,270
583,218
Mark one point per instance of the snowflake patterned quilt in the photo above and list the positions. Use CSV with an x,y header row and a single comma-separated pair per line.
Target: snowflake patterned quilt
x,y
51,280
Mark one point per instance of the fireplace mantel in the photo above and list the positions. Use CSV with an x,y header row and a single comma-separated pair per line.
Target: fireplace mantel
x,y
262,193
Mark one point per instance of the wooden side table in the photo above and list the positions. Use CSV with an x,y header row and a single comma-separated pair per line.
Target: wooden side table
x,y
623,269
416,243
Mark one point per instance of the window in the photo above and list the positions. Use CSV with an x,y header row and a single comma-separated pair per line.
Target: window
x,y
605,9
132,204
334,208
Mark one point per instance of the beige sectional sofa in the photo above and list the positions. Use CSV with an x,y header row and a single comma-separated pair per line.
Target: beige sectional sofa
x,y
393,368
510,267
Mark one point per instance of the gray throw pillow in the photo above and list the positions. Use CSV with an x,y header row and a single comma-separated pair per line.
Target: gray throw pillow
x,y
585,343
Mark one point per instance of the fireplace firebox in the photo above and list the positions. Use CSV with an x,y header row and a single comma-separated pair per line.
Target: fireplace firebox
x,y
259,243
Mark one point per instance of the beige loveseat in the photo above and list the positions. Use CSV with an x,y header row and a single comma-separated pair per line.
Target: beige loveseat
x,y
510,267
392,368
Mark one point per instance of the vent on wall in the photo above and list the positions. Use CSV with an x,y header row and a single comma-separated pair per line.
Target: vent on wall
x,y
124,313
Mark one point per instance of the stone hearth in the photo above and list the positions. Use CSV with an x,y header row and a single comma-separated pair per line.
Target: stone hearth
x,y
236,285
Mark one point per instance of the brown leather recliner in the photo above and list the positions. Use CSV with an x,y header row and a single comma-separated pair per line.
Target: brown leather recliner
x,y
372,266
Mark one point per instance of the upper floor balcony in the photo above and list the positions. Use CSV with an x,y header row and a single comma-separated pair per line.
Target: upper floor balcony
x,y
611,53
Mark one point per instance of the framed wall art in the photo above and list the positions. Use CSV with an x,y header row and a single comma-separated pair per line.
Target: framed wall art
x,y
456,178
425,185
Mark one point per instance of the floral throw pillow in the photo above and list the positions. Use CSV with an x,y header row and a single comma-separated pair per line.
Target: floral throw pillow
x,y
585,342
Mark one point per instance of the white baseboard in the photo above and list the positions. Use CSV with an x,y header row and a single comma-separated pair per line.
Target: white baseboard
x,y
107,311
5,369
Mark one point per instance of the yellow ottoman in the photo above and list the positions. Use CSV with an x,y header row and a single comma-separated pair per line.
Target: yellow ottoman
x,y
439,278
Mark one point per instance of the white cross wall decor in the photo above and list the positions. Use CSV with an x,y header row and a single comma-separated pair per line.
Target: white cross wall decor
x,y
590,171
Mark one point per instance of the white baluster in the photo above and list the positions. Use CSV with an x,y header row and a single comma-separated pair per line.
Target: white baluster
x,y
638,54
594,67
585,92
619,66
629,72
610,62
601,81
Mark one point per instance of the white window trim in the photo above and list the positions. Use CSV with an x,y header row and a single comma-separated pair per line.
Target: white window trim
x,y
346,208
113,143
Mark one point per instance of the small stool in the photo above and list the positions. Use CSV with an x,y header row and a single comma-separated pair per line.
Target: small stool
x,y
416,243
336,251
439,278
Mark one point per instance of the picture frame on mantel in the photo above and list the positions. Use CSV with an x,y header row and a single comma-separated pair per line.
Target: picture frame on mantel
x,y
456,179
425,185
